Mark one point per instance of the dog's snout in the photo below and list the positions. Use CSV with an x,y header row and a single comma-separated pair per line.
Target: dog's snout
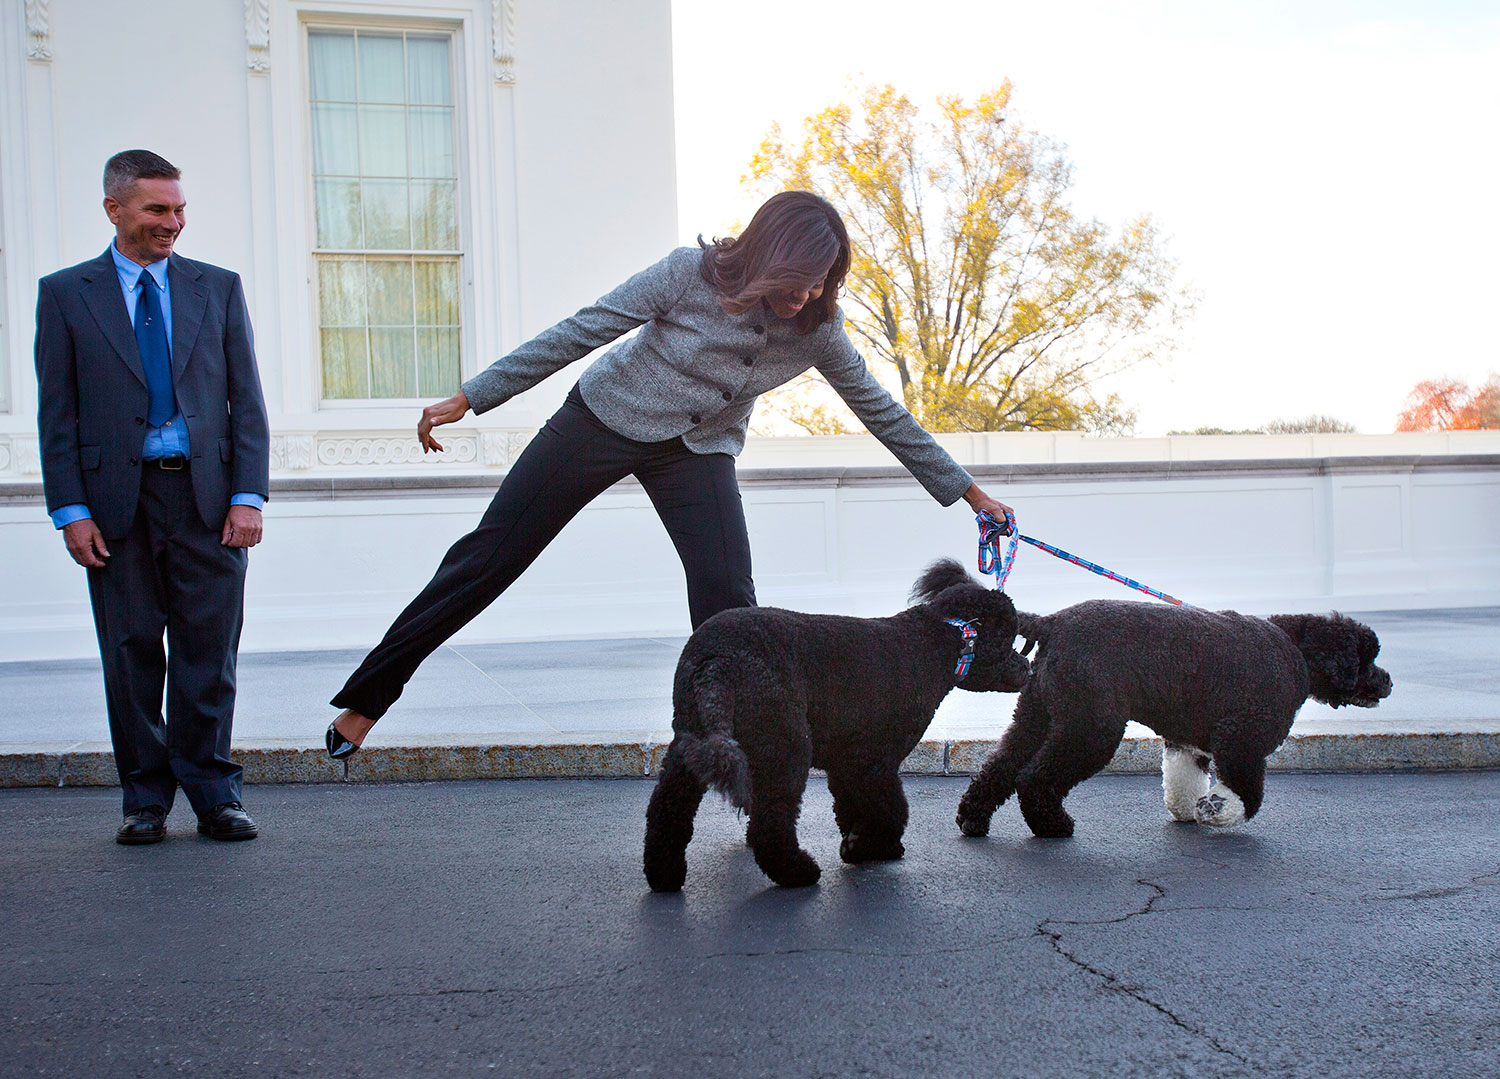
x,y
1017,673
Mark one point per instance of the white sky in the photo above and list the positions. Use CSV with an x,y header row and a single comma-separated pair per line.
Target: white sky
x,y
1326,171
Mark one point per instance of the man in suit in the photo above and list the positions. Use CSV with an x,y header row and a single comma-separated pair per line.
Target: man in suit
x,y
156,462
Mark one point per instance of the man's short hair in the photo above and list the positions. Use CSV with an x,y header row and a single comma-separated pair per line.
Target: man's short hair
x,y
126,167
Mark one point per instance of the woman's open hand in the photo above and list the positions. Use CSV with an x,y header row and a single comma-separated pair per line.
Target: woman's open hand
x,y
454,408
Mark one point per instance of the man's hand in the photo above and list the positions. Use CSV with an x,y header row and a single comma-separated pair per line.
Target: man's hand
x,y
86,543
979,501
454,408
242,528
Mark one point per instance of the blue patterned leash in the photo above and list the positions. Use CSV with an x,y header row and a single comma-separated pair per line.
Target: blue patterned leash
x,y
992,561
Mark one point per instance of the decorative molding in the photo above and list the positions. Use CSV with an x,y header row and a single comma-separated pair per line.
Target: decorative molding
x,y
4,454
395,451
503,38
26,456
38,31
258,34
501,448
291,452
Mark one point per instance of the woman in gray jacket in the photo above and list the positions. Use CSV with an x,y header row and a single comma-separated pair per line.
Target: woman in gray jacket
x,y
720,325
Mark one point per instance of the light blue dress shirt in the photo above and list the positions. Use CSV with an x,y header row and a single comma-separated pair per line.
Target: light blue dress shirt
x,y
171,438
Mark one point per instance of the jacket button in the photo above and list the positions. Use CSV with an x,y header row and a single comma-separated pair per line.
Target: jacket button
x,y
760,329
749,361
134,461
696,419
140,419
727,395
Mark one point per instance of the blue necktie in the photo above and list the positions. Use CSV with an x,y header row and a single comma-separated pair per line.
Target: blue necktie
x,y
151,338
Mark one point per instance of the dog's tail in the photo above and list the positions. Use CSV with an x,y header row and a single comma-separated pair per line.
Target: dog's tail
x,y
705,733
1033,627
718,760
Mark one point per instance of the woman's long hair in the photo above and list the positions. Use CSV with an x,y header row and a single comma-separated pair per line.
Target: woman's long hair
x,y
794,241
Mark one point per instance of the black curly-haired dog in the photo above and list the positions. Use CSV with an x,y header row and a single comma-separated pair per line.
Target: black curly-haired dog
x,y
1217,686
762,694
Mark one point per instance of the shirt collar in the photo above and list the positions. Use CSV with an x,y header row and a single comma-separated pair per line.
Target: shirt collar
x,y
130,272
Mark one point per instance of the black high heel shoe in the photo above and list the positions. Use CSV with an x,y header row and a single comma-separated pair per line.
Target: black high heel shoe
x,y
339,747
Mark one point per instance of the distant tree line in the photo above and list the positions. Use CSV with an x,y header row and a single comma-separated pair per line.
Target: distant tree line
x,y
1312,425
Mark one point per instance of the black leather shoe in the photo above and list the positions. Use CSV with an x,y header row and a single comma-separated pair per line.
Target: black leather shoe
x,y
146,825
339,747
228,821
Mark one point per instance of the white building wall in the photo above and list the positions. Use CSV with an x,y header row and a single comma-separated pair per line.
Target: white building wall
x,y
343,554
565,165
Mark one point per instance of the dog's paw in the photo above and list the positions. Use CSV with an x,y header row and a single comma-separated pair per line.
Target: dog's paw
x,y
973,827
1184,781
856,849
666,874
1219,808
796,870
1048,822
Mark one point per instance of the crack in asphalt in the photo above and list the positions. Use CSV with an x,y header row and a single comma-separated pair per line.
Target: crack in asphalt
x,y
1113,984
1484,880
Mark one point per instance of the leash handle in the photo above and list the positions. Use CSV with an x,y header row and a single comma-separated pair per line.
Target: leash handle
x,y
990,558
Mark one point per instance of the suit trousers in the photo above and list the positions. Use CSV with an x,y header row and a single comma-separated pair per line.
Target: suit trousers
x,y
573,459
170,575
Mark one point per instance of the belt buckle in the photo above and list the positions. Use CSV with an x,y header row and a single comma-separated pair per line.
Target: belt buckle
x,y
172,464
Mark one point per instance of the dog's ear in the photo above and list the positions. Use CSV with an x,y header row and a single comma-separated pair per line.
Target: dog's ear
x,y
1331,647
941,575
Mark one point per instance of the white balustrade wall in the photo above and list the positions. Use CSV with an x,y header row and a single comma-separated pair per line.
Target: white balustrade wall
x,y
344,553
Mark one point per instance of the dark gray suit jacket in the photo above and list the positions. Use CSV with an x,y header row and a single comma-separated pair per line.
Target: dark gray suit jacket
x,y
93,396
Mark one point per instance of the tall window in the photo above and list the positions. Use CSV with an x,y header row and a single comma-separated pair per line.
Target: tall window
x,y
385,195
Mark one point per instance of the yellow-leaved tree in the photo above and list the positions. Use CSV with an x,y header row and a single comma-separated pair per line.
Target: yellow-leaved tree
x,y
995,304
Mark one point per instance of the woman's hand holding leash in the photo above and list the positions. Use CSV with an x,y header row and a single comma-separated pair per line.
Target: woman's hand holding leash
x,y
980,502
454,408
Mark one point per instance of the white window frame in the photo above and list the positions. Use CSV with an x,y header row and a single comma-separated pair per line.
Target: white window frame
x,y
282,199
460,173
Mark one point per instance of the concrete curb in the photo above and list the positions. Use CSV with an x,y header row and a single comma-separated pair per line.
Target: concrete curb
x,y
87,766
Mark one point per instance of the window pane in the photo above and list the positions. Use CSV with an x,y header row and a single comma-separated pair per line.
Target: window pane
x,y
390,292
341,292
434,218
386,223
382,141
393,363
335,140
437,292
346,366
431,142
338,213
427,71
384,171
331,59
437,363
382,71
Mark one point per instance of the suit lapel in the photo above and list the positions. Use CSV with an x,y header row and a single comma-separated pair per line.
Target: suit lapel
x,y
102,296
189,302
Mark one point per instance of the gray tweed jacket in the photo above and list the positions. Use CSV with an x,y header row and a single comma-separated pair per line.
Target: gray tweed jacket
x,y
694,371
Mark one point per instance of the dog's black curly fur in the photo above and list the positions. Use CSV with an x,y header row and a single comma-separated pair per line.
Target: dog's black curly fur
x,y
1217,685
762,694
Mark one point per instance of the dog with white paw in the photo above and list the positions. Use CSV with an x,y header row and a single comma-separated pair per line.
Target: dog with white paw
x,y
1221,688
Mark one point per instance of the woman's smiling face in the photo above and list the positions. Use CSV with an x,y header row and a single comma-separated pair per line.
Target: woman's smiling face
x,y
788,302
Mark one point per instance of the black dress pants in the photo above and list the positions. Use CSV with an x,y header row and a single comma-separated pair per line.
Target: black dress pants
x,y
572,460
170,575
